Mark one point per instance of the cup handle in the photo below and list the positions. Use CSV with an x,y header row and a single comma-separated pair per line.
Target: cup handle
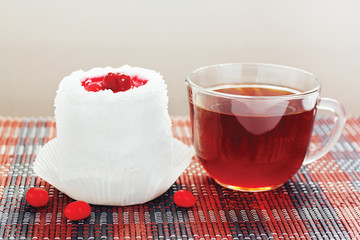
x,y
339,123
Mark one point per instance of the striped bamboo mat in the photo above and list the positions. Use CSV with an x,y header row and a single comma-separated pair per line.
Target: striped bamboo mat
x,y
320,202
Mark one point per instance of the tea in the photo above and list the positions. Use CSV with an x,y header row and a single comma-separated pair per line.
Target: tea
x,y
251,146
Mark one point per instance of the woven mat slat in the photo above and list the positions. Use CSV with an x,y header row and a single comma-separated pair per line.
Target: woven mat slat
x,y
322,201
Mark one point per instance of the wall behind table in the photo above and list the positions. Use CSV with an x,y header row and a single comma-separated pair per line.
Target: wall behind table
x,y
43,41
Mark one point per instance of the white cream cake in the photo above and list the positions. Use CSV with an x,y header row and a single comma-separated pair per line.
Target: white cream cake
x,y
104,132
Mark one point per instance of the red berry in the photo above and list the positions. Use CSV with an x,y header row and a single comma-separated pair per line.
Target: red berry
x,y
184,198
37,197
117,82
77,210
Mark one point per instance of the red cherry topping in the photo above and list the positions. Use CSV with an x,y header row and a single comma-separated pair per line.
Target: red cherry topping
x,y
184,198
117,82
77,210
37,197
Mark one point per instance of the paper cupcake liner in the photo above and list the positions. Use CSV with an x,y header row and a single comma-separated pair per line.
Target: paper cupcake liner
x,y
126,188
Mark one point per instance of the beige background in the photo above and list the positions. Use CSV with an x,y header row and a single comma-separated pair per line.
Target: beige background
x,y
43,41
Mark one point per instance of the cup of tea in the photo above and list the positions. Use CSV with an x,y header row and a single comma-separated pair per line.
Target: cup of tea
x,y
252,123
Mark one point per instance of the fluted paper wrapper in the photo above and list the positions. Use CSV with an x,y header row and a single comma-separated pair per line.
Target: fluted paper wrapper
x,y
137,186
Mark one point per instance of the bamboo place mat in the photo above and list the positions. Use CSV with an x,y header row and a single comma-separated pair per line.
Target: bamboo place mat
x,y
320,202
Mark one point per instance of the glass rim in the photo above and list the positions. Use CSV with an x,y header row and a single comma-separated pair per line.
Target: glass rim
x,y
297,95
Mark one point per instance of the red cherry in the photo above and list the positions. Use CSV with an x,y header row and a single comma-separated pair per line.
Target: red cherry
x,y
117,82
184,198
77,210
37,197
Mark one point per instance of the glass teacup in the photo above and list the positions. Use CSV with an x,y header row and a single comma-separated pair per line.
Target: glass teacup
x,y
252,123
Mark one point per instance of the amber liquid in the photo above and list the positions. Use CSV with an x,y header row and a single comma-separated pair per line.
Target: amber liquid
x,y
251,149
